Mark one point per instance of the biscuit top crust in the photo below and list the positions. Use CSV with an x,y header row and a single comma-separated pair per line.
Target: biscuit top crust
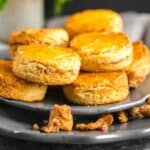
x,y
112,79
96,43
94,20
141,58
140,50
51,36
47,54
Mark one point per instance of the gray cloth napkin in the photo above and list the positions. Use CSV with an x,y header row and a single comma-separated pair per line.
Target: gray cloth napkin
x,y
136,25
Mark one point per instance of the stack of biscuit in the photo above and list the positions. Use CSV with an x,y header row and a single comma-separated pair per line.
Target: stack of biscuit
x,y
110,62
41,58
97,65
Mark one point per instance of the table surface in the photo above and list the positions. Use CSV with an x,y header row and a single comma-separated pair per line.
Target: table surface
x,y
14,144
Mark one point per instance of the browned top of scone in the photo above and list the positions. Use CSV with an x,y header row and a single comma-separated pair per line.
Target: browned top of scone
x,y
98,42
52,36
93,20
112,79
140,50
112,45
61,57
141,61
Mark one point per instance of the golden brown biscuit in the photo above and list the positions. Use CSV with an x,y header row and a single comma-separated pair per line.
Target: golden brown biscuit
x,y
93,20
18,89
97,88
140,67
50,66
103,51
49,36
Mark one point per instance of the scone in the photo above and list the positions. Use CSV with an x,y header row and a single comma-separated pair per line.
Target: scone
x,y
97,88
140,67
49,36
103,51
14,88
46,65
94,20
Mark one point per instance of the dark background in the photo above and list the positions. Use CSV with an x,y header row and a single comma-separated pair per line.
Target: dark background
x,y
118,5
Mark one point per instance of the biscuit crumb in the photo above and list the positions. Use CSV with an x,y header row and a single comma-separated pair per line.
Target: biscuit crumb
x,y
102,124
140,111
53,127
136,113
122,117
145,110
60,119
36,127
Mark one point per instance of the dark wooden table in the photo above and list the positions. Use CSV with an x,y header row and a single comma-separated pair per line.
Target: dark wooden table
x,y
14,144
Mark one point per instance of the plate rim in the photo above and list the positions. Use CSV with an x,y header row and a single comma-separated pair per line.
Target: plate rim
x,y
91,111
65,138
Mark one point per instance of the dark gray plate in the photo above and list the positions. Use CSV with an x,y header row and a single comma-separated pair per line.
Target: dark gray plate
x,y
55,96
18,123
